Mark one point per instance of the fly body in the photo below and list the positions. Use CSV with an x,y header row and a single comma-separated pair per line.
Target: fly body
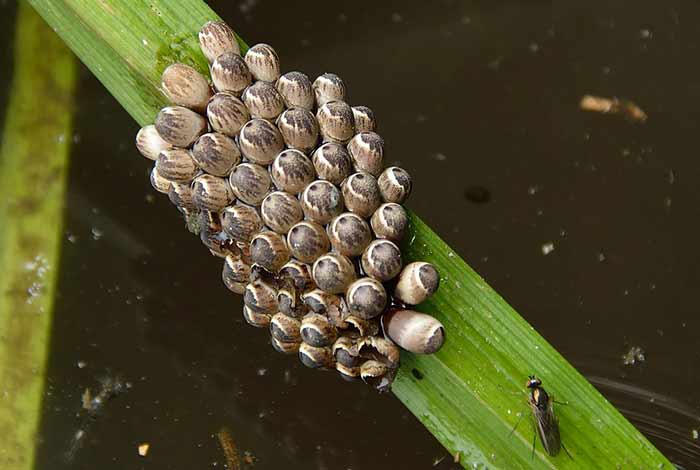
x,y
546,421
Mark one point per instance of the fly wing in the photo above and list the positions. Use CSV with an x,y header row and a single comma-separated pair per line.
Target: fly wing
x,y
548,429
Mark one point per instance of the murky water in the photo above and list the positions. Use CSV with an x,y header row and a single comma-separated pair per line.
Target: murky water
x,y
586,223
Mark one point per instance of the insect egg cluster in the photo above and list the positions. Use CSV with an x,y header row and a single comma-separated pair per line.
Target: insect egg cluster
x,y
285,181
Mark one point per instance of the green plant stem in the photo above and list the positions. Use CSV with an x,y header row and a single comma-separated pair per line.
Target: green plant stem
x,y
471,393
33,160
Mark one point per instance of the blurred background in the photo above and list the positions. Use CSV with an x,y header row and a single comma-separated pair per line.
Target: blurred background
x,y
586,223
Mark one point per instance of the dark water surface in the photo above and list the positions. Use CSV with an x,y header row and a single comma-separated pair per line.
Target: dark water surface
x,y
479,101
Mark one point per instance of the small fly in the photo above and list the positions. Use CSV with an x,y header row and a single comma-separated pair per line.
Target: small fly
x,y
547,424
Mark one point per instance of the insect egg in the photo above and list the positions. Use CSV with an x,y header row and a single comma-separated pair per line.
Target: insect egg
x,y
230,73
349,374
296,90
258,320
260,297
336,122
299,273
378,348
357,326
150,143
321,201
317,330
235,274
180,126
250,183
263,62
299,129
382,260
285,329
332,162
285,348
328,87
292,171
186,87
320,301
241,222
413,331
367,152
269,250
333,272
364,119
417,282
216,154
361,194
289,302
307,241
315,357
176,165
227,114
394,184
366,298
280,211
263,100
160,184
349,234
260,141
215,38
345,351
377,374
211,193
181,195
390,221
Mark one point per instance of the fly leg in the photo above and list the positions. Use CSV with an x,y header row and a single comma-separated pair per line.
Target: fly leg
x,y
534,438
516,425
551,398
566,450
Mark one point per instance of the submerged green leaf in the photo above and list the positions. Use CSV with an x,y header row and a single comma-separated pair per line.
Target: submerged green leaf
x,y
33,162
471,393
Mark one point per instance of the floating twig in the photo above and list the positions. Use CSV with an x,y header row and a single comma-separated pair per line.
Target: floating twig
x,y
228,445
626,108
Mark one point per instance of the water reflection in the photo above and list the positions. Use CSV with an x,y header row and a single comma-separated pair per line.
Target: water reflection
x,y
673,423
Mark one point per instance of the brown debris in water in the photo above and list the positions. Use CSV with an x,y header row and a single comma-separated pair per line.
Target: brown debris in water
x,y
628,109
228,445
110,387
86,399
248,458
93,401
633,356
143,449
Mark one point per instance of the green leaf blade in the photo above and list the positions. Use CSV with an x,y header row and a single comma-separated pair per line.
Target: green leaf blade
x,y
474,386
